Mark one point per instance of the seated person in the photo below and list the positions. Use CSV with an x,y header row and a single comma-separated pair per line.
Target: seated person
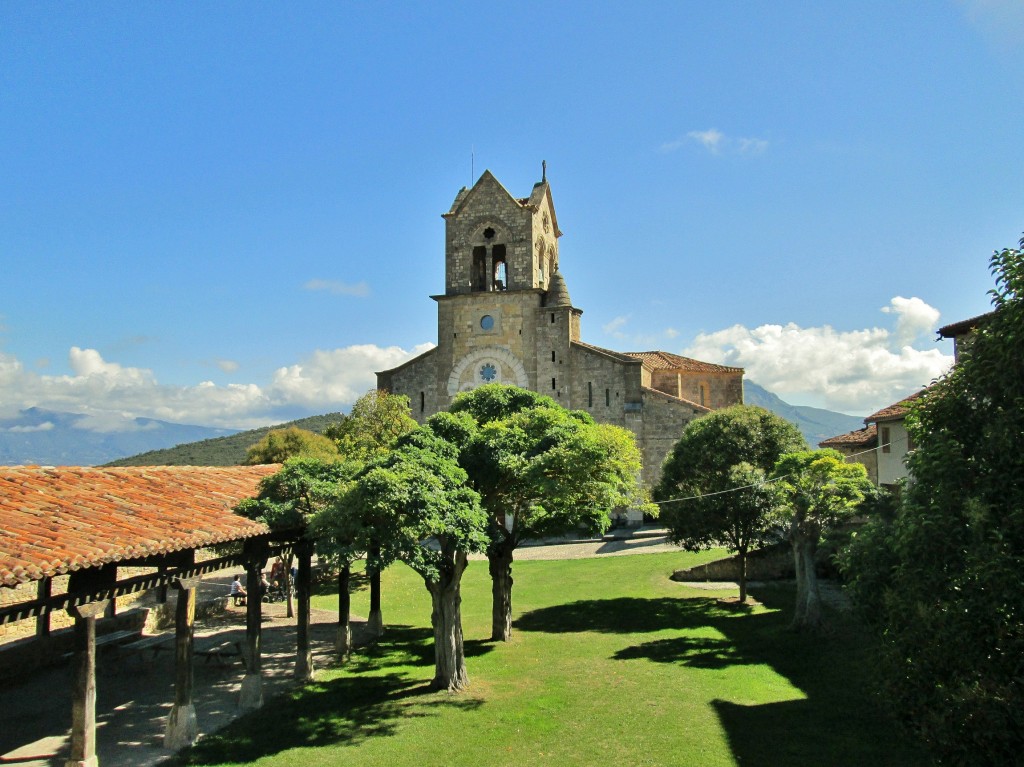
x,y
264,584
238,592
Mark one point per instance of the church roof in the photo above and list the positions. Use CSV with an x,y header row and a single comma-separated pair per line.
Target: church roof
x,y
558,291
657,360
963,326
697,409
607,352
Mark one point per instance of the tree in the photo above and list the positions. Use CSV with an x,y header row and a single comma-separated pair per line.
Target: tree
x,y
289,499
281,444
416,501
712,488
951,620
821,491
540,470
377,420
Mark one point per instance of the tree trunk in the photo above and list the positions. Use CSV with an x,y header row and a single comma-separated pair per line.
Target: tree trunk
x,y
812,615
743,576
343,644
499,562
798,570
446,617
375,621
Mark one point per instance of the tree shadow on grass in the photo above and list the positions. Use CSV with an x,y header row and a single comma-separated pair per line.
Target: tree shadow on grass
x,y
838,722
346,710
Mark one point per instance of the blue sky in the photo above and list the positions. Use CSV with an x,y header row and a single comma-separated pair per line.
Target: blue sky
x,y
229,214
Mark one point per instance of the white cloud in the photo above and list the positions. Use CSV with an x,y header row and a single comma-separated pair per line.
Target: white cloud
x,y
716,142
914,317
110,395
45,426
614,328
671,332
339,288
856,371
228,366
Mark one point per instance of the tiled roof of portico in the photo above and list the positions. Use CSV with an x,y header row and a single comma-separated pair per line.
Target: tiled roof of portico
x,y
57,519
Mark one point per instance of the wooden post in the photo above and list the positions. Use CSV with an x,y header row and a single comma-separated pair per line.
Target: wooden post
x,y
43,590
303,651
83,686
182,726
251,695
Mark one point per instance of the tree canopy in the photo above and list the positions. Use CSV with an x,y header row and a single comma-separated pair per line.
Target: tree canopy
x,y
820,490
415,501
292,442
376,421
540,470
948,567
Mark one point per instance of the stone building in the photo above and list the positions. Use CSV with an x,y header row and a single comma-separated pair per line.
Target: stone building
x,y
506,316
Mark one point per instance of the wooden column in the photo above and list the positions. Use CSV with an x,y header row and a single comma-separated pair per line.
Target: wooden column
x,y
43,589
83,685
182,726
303,651
251,695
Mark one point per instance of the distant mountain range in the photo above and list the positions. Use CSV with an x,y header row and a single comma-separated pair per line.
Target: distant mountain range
x,y
814,423
51,438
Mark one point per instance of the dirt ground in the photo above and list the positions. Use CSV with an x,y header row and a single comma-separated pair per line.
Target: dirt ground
x,y
135,692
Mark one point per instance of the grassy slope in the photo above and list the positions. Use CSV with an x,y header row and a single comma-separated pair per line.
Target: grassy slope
x,y
221,451
610,662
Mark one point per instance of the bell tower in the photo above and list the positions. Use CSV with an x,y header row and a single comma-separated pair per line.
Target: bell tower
x,y
500,257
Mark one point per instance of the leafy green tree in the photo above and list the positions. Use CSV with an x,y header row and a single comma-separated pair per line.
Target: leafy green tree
x,y
540,470
951,621
377,420
281,444
712,489
289,499
821,491
416,501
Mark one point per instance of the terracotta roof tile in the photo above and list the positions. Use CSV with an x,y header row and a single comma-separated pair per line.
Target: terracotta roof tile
x,y
895,411
866,437
657,360
54,520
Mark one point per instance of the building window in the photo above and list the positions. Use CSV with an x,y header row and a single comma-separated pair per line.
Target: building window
x,y
704,395
590,393
552,318
500,276
478,277
607,397
423,402
552,356
553,383
886,440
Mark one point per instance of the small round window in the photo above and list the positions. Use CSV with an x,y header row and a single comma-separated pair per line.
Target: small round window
x,y
488,372
487,322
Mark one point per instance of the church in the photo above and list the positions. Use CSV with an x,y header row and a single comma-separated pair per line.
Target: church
x,y
506,316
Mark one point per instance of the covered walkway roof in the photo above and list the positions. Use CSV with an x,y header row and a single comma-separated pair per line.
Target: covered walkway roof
x,y
57,520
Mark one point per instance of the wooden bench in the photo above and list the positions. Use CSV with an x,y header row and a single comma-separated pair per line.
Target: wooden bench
x,y
113,638
224,653
156,642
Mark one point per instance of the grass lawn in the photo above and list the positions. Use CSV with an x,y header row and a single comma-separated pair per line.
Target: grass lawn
x,y
610,662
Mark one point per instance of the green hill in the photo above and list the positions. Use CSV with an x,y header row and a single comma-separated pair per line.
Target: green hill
x,y
221,451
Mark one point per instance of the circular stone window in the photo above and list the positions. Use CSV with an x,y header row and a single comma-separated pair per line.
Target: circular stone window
x,y
488,233
487,322
488,372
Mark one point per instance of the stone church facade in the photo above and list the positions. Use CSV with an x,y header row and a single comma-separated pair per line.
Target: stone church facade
x,y
506,317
